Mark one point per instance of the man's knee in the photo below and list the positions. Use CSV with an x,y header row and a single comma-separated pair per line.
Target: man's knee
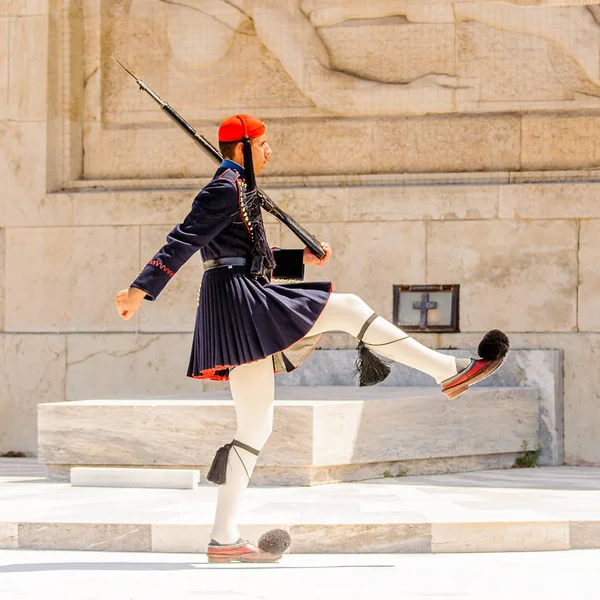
x,y
353,303
256,434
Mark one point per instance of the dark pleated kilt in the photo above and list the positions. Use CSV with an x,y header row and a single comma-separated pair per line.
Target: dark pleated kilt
x,y
241,320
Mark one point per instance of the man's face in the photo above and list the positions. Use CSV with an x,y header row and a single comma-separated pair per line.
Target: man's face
x,y
260,153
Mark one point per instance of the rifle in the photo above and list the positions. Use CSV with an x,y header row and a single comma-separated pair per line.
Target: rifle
x,y
309,240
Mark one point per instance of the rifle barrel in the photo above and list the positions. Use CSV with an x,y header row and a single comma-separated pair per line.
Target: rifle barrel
x,y
307,238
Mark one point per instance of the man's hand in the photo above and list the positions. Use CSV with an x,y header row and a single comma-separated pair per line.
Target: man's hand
x,y
311,259
128,301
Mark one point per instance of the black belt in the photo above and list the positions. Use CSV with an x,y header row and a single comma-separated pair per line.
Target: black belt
x,y
234,261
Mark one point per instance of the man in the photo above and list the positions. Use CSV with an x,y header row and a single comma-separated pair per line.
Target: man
x,y
248,328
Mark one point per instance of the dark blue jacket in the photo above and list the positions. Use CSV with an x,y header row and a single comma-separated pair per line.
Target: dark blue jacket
x,y
216,228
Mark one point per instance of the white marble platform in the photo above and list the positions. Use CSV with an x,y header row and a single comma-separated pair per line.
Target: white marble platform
x,y
320,435
175,479
550,508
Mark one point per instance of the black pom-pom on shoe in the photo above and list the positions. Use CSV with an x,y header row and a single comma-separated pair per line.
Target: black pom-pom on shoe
x,y
275,541
494,345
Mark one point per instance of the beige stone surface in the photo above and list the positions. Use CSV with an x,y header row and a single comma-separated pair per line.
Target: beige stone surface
x,y
517,276
350,538
494,59
129,365
23,175
499,537
368,258
9,536
394,51
582,432
309,204
143,152
550,201
32,371
78,272
4,60
446,144
131,207
416,203
588,317
333,148
24,7
584,534
436,144
560,60
2,276
559,142
83,536
28,42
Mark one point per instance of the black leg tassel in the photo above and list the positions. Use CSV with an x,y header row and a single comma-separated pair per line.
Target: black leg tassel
x,y
218,470
370,368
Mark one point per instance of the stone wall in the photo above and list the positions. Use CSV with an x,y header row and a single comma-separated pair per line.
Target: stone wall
x,y
494,188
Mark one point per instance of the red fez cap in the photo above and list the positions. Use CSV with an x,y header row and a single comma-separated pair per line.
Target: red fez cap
x,y
236,127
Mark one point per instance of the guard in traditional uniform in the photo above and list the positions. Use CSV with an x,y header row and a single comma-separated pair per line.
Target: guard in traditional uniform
x,y
249,328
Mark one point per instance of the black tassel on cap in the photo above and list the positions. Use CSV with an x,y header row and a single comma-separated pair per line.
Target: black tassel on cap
x,y
218,470
370,368
275,541
494,345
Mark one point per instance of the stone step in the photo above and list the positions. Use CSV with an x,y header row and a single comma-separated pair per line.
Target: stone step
x,y
494,511
129,477
320,434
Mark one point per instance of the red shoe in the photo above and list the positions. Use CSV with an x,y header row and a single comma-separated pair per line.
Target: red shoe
x,y
477,371
241,551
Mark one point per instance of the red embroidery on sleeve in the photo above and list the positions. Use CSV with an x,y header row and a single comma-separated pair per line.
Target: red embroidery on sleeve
x,y
166,269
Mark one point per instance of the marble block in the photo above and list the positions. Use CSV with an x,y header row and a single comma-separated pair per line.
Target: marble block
x,y
314,428
361,538
499,537
115,537
9,536
589,284
32,371
584,534
174,479
540,369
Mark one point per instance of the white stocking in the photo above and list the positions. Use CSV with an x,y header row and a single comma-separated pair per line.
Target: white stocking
x,y
348,312
253,390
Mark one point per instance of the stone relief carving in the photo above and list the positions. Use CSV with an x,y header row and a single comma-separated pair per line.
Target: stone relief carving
x,y
300,58
311,41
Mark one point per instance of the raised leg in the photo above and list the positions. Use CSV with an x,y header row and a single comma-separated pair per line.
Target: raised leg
x,y
348,312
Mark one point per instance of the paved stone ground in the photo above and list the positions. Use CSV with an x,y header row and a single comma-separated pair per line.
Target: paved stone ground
x,y
519,509
45,575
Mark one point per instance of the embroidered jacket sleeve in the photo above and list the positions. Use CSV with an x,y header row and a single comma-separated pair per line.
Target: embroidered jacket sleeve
x,y
212,210
289,264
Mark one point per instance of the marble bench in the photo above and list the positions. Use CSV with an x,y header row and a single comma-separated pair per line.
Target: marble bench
x,y
321,434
